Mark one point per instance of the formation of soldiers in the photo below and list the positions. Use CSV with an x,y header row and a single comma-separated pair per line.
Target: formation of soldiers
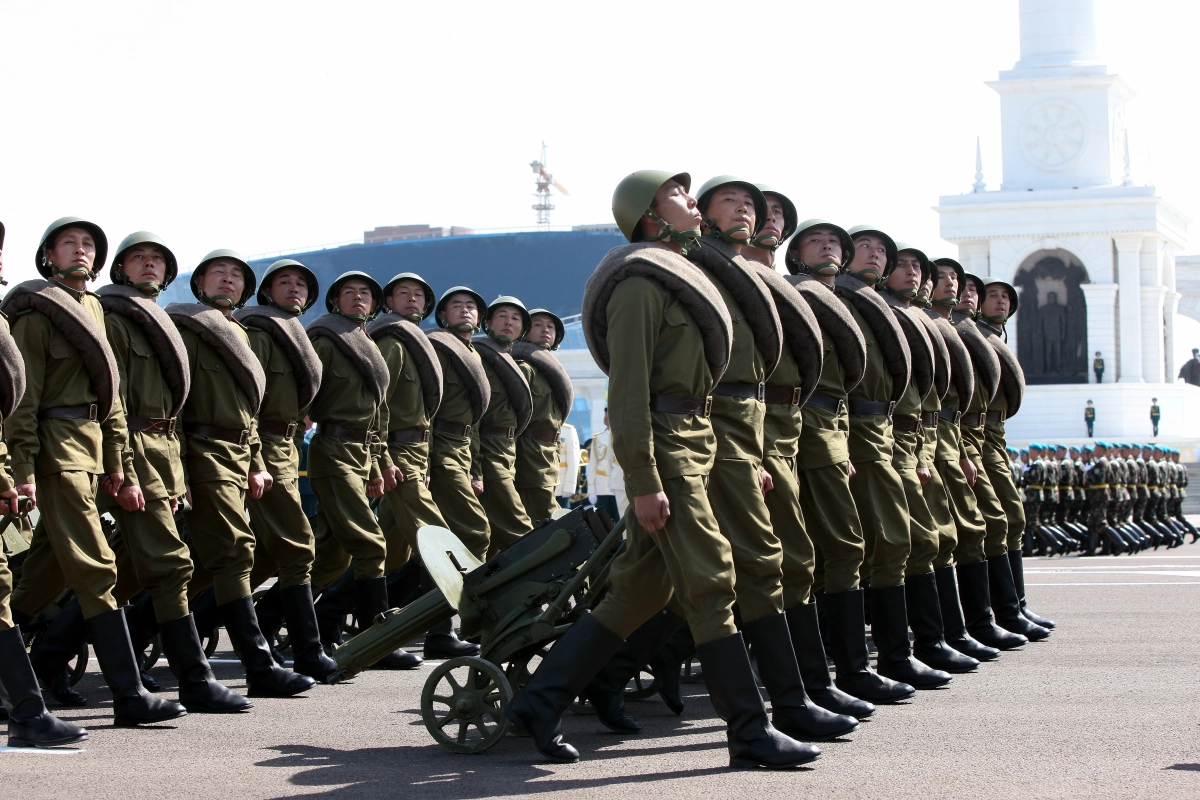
x,y
1105,497
804,458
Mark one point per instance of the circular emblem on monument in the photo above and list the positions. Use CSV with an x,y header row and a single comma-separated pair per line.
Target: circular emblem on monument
x,y
1053,134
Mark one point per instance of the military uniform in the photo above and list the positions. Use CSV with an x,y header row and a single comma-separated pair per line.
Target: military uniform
x,y
537,446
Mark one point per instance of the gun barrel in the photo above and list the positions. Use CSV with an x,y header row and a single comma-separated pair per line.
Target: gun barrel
x,y
392,629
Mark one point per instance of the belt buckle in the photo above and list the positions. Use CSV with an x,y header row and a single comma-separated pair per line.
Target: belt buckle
x,y
891,407
841,407
761,394
796,396
1003,416
171,425
425,435
707,406
244,438
93,412
290,430
557,435
466,430
510,433
958,417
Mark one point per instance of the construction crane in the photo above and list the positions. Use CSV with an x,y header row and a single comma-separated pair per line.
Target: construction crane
x,y
544,181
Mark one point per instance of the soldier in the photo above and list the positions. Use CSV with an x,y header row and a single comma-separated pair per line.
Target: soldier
x,y
1098,368
284,538
663,334
1096,482
878,490
570,461
605,478
1155,414
553,397
1089,418
1005,571
823,471
222,458
68,439
1182,477
913,419
494,441
29,723
414,394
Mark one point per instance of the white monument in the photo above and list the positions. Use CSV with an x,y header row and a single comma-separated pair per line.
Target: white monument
x,y
1092,252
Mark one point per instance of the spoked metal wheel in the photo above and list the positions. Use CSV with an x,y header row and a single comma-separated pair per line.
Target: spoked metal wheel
x,y
210,640
462,704
77,666
152,654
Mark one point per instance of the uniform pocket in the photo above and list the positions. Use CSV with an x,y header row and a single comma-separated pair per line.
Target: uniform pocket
x,y
62,350
280,365
675,315
211,363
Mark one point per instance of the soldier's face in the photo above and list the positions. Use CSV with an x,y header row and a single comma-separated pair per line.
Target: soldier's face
x,y
820,245
731,209
144,263
461,308
289,288
407,298
224,281
354,297
947,284
74,250
907,274
970,297
927,288
774,224
542,330
506,321
676,207
870,255
996,302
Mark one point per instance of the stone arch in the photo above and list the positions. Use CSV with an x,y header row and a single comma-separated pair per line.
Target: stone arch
x,y
1052,317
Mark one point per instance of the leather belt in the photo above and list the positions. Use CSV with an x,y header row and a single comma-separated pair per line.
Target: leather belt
x,y
672,404
929,419
995,416
345,432
453,428
408,435
498,432
88,412
971,419
285,429
826,402
240,438
871,408
151,424
906,424
755,391
951,415
782,395
544,436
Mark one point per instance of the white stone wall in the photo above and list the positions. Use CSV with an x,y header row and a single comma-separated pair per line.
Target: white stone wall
x,y
1122,412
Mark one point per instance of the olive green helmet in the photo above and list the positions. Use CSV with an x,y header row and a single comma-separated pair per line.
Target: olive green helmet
x,y
1012,294
888,242
954,265
506,300
59,225
143,237
560,330
635,194
415,278
978,281
790,218
480,303
792,257
263,297
712,184
926,264
336,286
232,255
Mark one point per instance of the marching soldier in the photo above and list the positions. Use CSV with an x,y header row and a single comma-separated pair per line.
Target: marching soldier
x,y
553,397
222,457
68,438
1097,475
414,394
664,349
510,408
284,538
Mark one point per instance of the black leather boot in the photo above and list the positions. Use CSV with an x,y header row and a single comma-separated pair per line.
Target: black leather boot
x,y
571,663
753,741
606,691
1017,562
667,664
204,610
814,666
268,608
975,592
335,603
371,600
53,650
889,629
307,656
792,711
442,642
1005,602
925,619
849,639
132,704
264,678
199,691
143,626
29,723
953,625
405,583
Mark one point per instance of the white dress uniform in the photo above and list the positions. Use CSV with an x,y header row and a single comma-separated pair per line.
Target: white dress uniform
x,y
605,475
568,461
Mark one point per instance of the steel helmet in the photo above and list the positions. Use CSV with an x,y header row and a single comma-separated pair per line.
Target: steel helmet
x,y
790,218
59,225
263,297
635,194
232,255
480,303
792,257
143,237
560,330
506,300
712,184
336,286
412,276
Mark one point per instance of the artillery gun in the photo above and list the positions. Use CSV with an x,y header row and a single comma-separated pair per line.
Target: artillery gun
x,y
519,602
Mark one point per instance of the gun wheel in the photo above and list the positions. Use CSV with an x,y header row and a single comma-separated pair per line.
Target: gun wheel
x,y
463,702
210,641
152,654
77,666
642,685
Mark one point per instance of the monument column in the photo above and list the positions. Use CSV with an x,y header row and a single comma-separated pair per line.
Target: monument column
x,y
1101,299
1129,279
1153,335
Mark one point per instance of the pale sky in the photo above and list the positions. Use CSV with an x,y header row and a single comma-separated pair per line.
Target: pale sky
x,y
264,126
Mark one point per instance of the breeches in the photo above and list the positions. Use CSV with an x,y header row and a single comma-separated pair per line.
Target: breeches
x,y
283,531
799,556
883,512
831,519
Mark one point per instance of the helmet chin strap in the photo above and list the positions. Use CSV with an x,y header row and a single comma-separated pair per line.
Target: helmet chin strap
x,y
149,288
414,318
73,274
862,273
907,294
361,319
502,338
766,241
684,240
995,319
464,327
727,236
212,301
949,303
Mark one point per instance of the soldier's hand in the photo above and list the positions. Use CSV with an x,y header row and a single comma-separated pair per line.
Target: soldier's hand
x,y
652,510
187,495
30,491
969,469
477,487
765,482
375,487
924,475
8,501
850,464
391,477
131,498
174,506
259,483
111,483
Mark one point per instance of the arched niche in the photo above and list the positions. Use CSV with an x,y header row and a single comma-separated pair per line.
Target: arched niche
x,y
1052,318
